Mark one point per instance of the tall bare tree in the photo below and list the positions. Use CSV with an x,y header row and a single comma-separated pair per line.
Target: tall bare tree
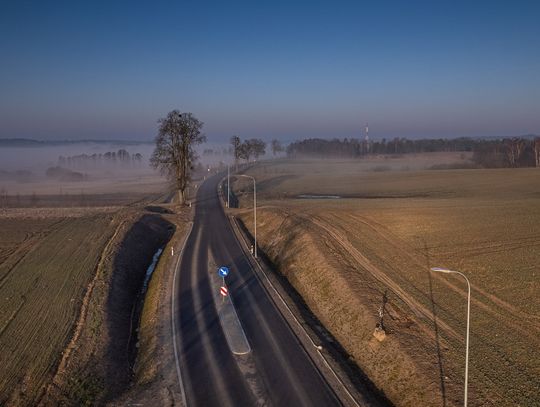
x,y
174,154
514,149
276,147
537,151
244,151
256,147
236,142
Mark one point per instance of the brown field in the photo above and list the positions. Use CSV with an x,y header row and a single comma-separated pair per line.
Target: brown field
x,y
384,233
52,245
100,189
46,263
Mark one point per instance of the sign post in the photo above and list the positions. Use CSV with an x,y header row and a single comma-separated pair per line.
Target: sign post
x,y
223,272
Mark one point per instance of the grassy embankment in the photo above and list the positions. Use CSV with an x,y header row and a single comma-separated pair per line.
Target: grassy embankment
x,y
385,233
155,316
70,280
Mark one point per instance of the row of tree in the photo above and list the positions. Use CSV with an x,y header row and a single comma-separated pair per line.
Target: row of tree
x,y
510,152
179,133
354,147
275,145
121,157
514,152
247,149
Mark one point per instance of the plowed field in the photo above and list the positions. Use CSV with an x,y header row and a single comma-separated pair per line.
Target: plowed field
x,y
363,233
46,263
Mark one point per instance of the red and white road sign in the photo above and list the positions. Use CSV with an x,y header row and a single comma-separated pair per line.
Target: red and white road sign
x,y
223,291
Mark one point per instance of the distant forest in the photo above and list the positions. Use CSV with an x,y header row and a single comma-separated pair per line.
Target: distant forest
x,y
498,153
120,157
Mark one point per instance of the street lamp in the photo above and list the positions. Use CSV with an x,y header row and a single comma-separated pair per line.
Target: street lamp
x,y
446,271
254,210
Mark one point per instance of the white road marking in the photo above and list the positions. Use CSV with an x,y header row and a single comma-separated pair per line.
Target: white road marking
x,y
210,354
173,319
318,347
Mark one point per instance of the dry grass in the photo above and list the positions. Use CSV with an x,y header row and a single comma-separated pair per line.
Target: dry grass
x,y
152,320
342,254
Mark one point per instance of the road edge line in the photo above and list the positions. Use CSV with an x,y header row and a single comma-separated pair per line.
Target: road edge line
x,y
239,235
236,231
173,324
317,348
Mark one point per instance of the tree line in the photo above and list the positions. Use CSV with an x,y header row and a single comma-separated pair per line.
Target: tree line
x,y
488,153
247,149
511,152
121,157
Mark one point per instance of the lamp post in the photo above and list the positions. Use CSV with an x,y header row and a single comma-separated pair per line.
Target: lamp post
x,y
228,187
254,210
446,271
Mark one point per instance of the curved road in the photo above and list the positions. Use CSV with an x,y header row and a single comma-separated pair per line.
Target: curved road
x,y
278,371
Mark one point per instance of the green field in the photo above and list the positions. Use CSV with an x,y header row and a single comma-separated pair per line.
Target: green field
x,y
384,233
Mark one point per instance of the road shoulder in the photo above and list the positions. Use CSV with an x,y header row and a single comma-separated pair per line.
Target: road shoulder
x,y
155,380
351,385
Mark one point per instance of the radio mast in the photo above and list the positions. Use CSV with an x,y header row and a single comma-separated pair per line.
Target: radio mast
x,y
367,133
366,140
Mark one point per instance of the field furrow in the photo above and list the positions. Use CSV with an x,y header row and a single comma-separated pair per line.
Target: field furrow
x,y
40,298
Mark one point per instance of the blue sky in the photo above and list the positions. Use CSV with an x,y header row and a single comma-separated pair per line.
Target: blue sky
x,y
109,70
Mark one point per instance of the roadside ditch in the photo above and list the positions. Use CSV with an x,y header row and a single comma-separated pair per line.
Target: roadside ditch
x,y
99,363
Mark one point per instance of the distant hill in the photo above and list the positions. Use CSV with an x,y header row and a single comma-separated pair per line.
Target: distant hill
x,y
25,142
19,142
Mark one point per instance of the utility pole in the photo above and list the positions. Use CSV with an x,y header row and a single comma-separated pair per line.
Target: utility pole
x,y
446,271
228,187
255,222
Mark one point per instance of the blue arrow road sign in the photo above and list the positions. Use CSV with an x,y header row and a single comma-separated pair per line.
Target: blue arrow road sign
x,y
223,271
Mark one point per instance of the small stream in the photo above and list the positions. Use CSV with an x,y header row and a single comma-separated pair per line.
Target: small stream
x,y
150,270
136,311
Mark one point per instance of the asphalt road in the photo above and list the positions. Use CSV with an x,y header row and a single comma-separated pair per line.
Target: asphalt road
x,y
278,371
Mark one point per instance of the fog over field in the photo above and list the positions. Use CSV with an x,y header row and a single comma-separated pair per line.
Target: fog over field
x,y
44,156
88,167
37,159
269,203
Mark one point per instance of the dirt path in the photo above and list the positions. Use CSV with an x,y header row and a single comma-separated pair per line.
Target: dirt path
x,y
418,309
514,314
